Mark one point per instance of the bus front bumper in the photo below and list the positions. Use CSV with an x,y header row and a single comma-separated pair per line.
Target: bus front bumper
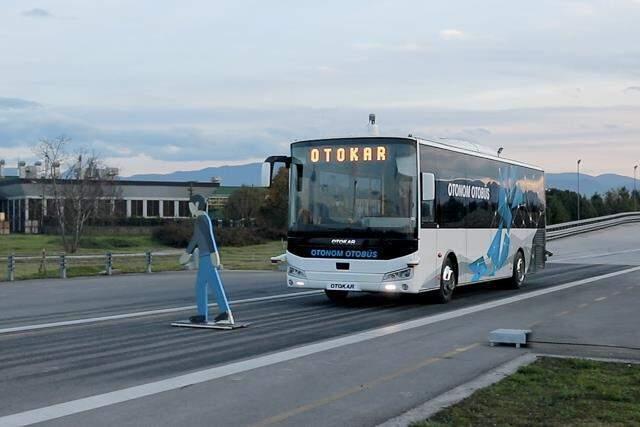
x,y
403,286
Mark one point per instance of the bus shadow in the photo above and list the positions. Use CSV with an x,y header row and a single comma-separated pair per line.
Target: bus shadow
x,y
370,300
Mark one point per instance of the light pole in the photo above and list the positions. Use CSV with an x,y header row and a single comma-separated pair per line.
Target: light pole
x,y
635,190
579,161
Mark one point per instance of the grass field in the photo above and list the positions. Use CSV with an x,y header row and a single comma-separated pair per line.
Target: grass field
x,y
32,244
553,392
254,257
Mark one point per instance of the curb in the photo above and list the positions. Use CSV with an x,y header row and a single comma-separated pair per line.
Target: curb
x,y
594,359
465,390
459,393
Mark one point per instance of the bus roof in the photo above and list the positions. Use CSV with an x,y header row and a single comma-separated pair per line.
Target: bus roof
x,y
459,149
451,145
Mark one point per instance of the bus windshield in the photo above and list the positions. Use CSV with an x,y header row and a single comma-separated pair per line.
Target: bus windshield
x,y
354,186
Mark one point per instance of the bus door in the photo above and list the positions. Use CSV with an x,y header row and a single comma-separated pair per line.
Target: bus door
x,y
428,231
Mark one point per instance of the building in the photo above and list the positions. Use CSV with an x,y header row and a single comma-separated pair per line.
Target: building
x,y
24,200
218,200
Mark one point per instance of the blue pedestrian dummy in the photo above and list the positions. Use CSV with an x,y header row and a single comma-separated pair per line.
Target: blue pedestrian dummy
x,y
209,263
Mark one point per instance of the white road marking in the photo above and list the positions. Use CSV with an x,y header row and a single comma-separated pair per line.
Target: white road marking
x,y
101,400
148,313
595,255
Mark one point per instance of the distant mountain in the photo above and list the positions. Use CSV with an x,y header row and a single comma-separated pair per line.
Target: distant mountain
x,y
588,184
249,174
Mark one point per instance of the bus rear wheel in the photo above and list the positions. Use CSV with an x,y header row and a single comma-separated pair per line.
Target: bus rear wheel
x,y
448,281
336,296
519,271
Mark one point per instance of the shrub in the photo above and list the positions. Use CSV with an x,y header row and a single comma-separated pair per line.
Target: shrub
x,y
107,242
178,234
272,233
174,234
238,237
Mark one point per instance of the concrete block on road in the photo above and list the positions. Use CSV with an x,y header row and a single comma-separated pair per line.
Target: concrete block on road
x,y
509,336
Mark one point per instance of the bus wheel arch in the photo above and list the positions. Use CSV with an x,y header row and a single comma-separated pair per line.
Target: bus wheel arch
x,y
450,255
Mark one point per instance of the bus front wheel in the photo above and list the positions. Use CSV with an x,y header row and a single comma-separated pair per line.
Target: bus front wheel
x,y
448,281
336,296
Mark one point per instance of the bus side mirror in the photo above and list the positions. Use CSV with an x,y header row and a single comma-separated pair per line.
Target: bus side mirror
x,y
266,174
266,177
428,187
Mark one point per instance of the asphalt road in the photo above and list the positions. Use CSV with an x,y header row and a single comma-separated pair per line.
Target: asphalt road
x,y
43,301
617,246
355,383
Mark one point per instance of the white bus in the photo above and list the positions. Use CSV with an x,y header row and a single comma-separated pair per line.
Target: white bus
x,y
409,215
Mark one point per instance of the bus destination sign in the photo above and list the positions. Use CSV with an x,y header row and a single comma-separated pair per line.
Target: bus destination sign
x,y
348,154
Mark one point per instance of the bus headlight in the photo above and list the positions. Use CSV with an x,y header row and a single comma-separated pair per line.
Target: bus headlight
x,y
296,272
404,274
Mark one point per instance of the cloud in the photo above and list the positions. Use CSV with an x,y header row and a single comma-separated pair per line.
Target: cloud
x,y
37,13
17,103
392,47
172,149
471,134
326,69
452,34
21,152
633,88
153,140
206,136
581,9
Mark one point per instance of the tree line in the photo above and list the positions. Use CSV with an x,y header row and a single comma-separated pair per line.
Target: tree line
x,y
562,205
265,208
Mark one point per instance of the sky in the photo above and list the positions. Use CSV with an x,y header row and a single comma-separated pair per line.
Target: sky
x,y
158,86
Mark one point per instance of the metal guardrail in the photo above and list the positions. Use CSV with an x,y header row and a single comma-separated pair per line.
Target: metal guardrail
x,y
64,261
572,228
59,264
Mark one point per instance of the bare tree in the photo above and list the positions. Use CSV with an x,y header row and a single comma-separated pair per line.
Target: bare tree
x,y
78,184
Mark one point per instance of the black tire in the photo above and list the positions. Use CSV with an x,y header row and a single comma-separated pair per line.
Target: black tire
x,y
519,274
448,281
337,297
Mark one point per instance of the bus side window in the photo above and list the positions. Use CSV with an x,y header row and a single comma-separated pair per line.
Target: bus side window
x,y
428,200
